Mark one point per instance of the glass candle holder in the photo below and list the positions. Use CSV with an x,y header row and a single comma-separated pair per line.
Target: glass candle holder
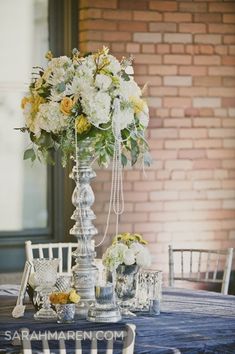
x,y
149,291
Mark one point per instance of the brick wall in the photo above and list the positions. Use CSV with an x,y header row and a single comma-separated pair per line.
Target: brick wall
x,y
185,50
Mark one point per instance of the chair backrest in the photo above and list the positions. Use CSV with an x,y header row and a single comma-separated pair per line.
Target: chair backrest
x,y
201,265
127,337
52,250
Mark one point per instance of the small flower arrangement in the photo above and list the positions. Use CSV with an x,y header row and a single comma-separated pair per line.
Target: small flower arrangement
x,y
62,298
77,95
127,249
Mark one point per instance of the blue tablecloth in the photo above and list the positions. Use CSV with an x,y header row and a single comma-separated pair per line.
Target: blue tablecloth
x,y
190,322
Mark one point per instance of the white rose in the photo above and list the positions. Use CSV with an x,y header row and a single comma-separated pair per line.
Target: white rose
x,y
103,81
129,70
129,257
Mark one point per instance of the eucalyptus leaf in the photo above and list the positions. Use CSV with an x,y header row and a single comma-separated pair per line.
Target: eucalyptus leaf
x,y
29,154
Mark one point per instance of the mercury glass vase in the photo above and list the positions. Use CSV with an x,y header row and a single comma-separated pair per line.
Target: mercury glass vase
x,y
125,286
84,272
65,313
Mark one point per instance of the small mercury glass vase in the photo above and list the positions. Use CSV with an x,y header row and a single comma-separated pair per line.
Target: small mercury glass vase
x,y
45,279
125,279
65,313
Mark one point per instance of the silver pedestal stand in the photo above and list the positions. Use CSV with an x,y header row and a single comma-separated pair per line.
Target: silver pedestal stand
x,y
84,272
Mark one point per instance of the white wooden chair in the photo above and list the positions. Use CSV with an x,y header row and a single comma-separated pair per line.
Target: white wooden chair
x,y
52,250
200,265
128,340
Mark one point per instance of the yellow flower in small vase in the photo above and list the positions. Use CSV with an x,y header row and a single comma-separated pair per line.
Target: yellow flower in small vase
x,y
66,105
74,297
82,124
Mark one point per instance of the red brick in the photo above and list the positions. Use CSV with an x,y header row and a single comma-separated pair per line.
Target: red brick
x,y
163,133
164,195
221,49
192,154
149,206
147,37
116,36
177,122
193,70
229,81
163,91
221,7
177,17
147,16
162,69
228,102
164,154
120,15
177,38
140,69
207,81
148,58
207,122
111,4
199,174
221,194
177,48
220,154
192,91
229,39
208,38
194,133
208,143
97,25
178,144
228,60
216,91
191,112
177,59
206,164
176,102
177,185
193,7
221,28
148,186
178,165
206,102
151,80
118,47
207,60
163,175
177,80
90,13
148,48
132,26
221,133
178,175
222,70
133,47
229,143
229,18
192,28
162,27
130,5
208,17
163,5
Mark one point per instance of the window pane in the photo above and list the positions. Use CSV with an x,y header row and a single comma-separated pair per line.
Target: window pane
x,y
23,43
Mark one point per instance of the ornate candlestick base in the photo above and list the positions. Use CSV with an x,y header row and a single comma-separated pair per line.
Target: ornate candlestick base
x,y
84,272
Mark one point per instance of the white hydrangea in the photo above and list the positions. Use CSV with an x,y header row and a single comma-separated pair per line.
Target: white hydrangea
x,y
50,118
129,257
136,247
81,85
103,82
126,117
143,258
97,107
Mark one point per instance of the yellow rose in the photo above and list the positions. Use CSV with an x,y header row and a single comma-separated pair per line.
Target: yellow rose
x,y
82,124
74,297
24,101
66,105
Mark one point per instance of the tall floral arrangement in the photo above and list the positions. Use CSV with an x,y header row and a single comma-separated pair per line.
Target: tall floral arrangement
x,y
76,96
